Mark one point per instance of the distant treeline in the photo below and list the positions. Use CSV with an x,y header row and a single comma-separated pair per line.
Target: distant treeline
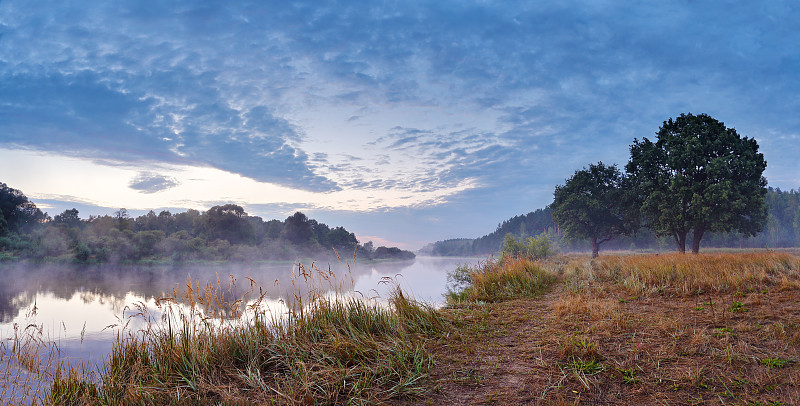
x,y
224,232
782,230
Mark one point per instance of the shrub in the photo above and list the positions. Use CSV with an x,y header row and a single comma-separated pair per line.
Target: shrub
x,y
534,247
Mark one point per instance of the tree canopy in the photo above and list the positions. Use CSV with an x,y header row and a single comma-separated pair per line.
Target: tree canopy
x,y
594,204
16,211
224,232
699,176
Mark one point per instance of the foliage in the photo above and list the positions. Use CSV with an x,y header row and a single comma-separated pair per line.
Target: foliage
x,y
534,247
17,213
699,176
298,229
392,253
224,232
595,204
522,226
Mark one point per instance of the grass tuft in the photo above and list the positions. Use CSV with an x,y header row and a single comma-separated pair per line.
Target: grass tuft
x,y
497,281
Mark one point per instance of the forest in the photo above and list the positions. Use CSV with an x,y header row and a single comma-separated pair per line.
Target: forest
x,y
781,231
224,232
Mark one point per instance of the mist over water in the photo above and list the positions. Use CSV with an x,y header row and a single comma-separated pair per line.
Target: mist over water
x,y
82,308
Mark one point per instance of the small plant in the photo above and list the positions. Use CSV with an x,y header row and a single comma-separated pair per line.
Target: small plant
x,y
496,281
723,331
587,367
468,376
738,307
775,362
698,308
628,375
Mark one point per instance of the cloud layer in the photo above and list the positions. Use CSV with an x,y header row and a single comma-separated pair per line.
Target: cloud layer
x,y
481,104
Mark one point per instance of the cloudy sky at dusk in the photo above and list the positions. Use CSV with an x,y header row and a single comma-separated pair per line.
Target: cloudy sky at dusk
x,y
406,122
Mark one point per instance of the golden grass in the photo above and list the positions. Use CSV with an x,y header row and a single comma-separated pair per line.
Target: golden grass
x,y
701,273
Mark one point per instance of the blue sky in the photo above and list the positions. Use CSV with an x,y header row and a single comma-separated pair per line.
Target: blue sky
x,y
406,122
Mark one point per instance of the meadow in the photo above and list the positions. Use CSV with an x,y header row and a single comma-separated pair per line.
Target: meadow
x,y
669,329
716,328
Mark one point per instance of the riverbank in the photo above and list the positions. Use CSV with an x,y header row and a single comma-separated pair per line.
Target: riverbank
x,y
719,328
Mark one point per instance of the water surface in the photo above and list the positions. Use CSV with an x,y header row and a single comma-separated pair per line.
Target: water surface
x,y
82,309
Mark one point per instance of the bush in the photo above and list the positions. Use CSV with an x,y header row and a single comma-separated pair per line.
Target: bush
x,y
534,247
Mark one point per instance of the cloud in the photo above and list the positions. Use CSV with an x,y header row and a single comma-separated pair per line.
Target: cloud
x,y
148,182
497,102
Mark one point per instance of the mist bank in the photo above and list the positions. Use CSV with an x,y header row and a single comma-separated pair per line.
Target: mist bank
x,y
221,233
782,231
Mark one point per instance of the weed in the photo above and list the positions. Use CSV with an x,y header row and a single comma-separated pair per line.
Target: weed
x,y
775,362
723,331
738,307
496,281
591,367
467,376
628,375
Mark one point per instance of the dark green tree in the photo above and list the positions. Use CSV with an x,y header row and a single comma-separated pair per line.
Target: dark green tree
x,y
595,204
228,222
342,239
699,176
69,218
19,213
298,229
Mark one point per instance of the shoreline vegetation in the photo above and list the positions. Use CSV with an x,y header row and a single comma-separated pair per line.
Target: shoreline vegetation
x,y
221,233
711,328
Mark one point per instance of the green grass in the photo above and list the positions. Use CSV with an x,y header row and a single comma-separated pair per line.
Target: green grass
x,y
775,362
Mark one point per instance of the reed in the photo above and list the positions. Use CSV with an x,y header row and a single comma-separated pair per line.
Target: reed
x,y
326,349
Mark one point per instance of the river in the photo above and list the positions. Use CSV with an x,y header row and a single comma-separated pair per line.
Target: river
x,y
82,309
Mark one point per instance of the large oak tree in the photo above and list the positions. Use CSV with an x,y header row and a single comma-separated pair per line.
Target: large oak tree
x,y
699,176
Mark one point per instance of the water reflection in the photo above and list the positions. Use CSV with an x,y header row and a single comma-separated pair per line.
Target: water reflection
x,y
71,302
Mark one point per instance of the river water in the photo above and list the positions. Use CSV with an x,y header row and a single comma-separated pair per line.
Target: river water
x,y
82,309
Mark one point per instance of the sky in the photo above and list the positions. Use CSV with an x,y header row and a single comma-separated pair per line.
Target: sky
x,y
406,122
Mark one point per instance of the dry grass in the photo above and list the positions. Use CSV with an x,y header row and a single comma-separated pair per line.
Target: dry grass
x,y
697,274
27,363
652,330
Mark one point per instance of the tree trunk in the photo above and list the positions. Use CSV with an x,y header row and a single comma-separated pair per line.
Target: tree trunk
x,y
696,237
595,248
680,241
